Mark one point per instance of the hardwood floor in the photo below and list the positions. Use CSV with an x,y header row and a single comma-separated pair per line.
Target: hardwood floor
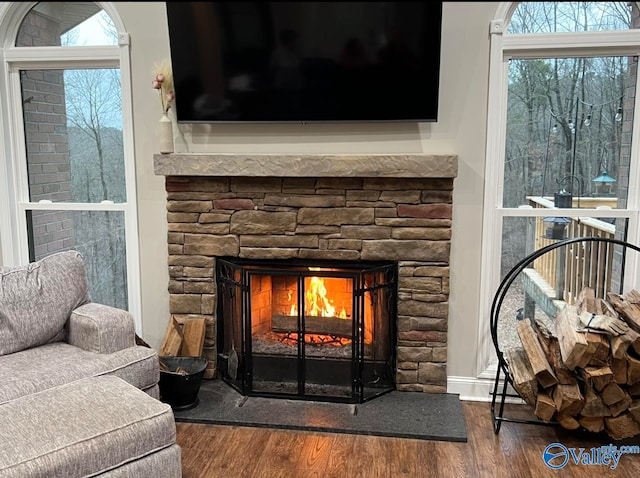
x,y
230,452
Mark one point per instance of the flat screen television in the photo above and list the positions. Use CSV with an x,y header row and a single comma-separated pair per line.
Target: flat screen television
x,y
237,62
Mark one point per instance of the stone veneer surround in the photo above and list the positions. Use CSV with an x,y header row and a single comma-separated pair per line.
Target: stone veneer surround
x,y
342,207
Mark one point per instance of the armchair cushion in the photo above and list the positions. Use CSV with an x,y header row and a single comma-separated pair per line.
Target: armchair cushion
x,y
102,329
51,365
36,300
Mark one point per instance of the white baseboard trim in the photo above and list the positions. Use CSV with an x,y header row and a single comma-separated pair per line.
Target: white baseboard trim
x,y
471,388
476,389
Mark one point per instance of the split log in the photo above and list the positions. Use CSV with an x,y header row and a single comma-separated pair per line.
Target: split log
x,y
633,370
598,376
622,426
551,348
524,380
619,368
587,302
589,353
607,309
537,359
628,306
172,339
193,333
634,390
601,356
313,325
568,399
593,405
545,407
612,393
573,344
634,410
593,424
621,406
621,343
567,421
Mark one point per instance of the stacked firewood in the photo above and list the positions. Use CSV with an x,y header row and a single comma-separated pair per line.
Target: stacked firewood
x,y
583,370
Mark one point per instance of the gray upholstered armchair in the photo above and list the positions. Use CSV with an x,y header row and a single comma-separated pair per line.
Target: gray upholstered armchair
x,y
71,381
51,333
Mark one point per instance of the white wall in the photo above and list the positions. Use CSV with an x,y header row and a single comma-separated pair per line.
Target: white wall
x,y
460,130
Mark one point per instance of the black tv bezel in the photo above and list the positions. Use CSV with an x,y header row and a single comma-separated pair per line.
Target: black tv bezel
x,y
428,120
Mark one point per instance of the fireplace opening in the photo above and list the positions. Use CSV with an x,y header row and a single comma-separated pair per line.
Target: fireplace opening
x,y
317,330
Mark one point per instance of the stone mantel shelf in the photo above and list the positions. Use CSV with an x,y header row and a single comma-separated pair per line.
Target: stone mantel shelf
x,y
307,165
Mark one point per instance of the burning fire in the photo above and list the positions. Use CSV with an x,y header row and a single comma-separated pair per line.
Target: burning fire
x,y
317,303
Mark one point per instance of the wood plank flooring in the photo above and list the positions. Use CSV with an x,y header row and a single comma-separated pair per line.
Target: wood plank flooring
x,y
228,452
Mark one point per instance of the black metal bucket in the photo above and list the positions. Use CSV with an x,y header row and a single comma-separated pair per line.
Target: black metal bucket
x,y
180,390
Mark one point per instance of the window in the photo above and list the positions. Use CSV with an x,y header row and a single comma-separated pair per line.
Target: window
x,y
561,156
70,176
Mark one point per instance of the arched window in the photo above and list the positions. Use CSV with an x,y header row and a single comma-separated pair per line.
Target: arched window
x,y
561,157
67,143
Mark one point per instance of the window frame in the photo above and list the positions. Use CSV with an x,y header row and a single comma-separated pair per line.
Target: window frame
x,y
15,201
504,47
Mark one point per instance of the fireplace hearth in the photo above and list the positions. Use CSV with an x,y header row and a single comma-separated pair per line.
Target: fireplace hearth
x,y
318,330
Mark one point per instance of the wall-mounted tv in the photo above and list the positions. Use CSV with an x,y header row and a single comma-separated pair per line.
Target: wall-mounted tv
x,y
244,62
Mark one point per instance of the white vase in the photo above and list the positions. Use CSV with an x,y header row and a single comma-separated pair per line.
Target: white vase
x,y
165,134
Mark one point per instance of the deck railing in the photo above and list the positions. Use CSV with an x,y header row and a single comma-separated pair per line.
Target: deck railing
x,y
568,270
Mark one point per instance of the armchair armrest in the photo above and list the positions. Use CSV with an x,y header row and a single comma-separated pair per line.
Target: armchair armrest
x,y
101,328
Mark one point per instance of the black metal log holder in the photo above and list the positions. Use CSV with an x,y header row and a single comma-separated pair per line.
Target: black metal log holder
x,y
498,398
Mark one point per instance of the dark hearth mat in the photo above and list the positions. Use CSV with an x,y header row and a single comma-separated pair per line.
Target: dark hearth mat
x,y
417,415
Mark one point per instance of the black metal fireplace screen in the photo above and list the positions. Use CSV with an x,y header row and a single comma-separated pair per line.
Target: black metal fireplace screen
x,y
308,330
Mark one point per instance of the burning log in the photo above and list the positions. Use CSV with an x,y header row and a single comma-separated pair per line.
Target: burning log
x,y
586,372
313,325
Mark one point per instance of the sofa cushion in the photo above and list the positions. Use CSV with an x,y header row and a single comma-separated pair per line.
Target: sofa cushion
x,y
81,429
37,299
51,365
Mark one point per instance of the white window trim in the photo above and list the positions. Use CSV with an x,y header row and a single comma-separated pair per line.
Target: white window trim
x,y
556,45
14,194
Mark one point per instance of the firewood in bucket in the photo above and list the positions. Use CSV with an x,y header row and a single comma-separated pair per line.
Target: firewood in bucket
x,y
179,370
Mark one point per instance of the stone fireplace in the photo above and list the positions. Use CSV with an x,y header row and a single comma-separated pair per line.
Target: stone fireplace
x,y
312,211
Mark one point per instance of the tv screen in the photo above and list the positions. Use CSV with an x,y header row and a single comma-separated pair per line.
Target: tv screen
x,y
305,61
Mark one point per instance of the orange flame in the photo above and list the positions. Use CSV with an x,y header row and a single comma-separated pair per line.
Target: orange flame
x,y
317,303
